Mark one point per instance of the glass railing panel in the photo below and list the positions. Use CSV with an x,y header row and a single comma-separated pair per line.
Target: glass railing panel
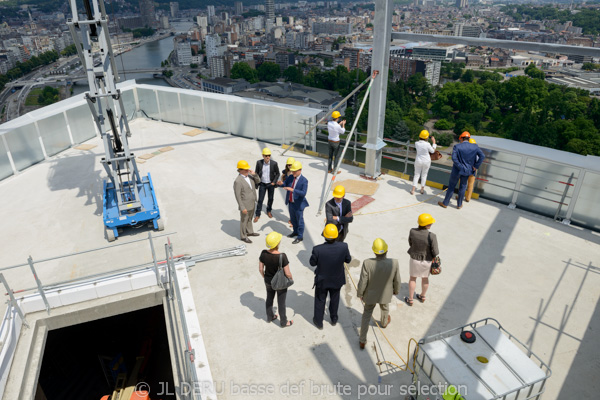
x,y
81,123
586,209
5,168
148,104
169,106
24,146
129,103
191,107
497,176
242,122
295,124
217,118
543,185
54,134
269,123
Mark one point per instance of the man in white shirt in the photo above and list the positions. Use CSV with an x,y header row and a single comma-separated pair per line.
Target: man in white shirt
x,y
335,128
268,171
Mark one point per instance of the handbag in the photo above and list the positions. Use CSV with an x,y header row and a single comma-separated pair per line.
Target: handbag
x,y
436,263
436,266
280,281
436,155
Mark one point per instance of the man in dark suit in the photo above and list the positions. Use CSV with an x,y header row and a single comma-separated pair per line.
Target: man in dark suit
x,y
329,258
295,198
467,158
339,212
268,172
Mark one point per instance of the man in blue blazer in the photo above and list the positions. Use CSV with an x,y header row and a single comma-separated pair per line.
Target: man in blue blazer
x,y
295,198
329,258
467,158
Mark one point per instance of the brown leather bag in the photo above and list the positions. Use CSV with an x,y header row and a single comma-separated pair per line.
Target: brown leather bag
x,y
436,155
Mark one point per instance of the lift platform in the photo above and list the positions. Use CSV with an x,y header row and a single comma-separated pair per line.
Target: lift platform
x,y
128,199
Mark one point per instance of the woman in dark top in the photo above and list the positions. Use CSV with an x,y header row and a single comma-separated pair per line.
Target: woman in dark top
x,y
268,265
423,248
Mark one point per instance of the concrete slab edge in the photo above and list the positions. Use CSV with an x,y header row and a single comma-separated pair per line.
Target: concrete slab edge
x,y
9,337
205,382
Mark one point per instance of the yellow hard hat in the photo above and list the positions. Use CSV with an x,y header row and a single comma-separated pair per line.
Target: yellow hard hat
x,y
339,191
379,246
425,219
266,151
273,239
424,134
471,140
296,166
330,231
290,161
335,114
242,164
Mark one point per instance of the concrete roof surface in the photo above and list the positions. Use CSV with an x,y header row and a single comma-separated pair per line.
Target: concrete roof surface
x,y
538,278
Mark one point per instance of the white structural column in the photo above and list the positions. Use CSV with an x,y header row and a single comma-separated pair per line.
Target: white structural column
x,y
380,62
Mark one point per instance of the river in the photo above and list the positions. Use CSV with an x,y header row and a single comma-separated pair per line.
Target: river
x,y
145,56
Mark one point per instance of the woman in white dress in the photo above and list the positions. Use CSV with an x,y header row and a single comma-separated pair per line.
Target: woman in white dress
x,y
422,161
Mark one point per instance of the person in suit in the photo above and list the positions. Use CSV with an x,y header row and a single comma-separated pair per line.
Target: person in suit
x,y
329,258
268,171
339,212
379,278
295,199
467,158
244,188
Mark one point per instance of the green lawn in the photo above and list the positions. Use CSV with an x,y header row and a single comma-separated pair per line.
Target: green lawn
x,y
32,98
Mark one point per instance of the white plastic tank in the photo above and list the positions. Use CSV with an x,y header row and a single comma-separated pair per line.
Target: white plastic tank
x,y
485,363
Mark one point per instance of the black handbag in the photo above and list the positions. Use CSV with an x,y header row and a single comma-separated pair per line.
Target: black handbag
x,y
436,263
280,281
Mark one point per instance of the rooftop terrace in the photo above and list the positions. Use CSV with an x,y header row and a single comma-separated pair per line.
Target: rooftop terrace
x,y
538,278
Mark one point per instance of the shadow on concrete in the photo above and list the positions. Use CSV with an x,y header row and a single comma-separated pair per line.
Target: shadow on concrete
x,y
476,275
256,304
300,303
78,172
582,380
568,309
402,185
231,227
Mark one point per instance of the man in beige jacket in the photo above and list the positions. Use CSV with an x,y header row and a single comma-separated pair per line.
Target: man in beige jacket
x,y
244,188
379,278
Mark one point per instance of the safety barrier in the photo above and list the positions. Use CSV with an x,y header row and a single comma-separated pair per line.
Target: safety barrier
x,y
45,132
553,183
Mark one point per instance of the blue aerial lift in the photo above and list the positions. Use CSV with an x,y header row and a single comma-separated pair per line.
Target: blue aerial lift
x,y
128,199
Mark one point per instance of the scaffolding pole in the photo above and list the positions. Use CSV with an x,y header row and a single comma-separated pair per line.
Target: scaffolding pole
x,y
338,162
344,100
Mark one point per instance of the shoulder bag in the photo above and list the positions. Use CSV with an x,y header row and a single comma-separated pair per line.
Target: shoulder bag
x,y
280,281
436,263
436,155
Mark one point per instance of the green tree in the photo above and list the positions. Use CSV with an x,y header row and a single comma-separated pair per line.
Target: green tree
x,y
533,72
293,74
590,66
268,72
400,132
443,124
244,71
193,65
167,72
467,76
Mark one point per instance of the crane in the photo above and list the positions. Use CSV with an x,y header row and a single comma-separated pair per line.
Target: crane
x,y
128,199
